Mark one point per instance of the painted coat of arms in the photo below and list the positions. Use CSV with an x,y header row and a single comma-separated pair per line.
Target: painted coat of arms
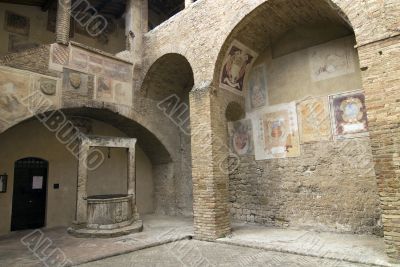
x,y
276,132
236,66
241,137
349,115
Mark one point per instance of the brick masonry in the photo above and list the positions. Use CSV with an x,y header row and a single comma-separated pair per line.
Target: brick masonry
x,y
381,82
313,190
376,25
202,33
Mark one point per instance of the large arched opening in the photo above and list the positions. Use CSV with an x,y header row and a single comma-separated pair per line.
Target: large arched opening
x,y
166,86
61,173
277,60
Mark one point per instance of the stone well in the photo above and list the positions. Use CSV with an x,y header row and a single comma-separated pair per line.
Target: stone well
x,y
106,215
109,211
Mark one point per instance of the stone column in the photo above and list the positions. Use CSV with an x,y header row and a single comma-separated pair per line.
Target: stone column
x,y
380,75
81,202
188,3
210,177
132,175
136,24
63,22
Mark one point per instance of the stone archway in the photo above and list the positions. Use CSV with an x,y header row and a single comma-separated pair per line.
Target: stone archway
x,y
210,183
166,86
54,144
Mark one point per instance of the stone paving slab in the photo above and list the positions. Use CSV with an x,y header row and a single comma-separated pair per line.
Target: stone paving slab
x,y
364,249
161,230
206,254
157,230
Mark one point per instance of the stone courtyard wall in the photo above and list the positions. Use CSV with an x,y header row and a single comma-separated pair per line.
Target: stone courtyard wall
x,y
324,189
202,30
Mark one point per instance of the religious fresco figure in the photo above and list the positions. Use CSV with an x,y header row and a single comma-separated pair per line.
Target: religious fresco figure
x,y
237,64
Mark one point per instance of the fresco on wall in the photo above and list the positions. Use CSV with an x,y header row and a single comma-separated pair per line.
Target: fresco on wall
x,y
104,90
122,92
241,137
16,23
314,120
18,43
236,66
92,63
76,81
257,94
349,115
14,87
79,59
118,70
276,133
96,65
332,59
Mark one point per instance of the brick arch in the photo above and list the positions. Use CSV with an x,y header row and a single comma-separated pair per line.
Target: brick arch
x,y
170,73
152,141
201,32
271,19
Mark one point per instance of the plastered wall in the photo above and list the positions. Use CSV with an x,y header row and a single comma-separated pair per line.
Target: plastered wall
x,y
110,177
38,33
325,187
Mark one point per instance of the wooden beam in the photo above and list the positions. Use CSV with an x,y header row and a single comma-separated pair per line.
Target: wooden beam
x,y
46,6
101,5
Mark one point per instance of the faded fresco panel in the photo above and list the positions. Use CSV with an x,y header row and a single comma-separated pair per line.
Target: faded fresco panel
x,y
14,89
349,115
257,94
16,23
332,59
122,93
236,66
76,81
314,120
241,137
276,133
79,59
118,70
104,90
96,65
18,43
92,63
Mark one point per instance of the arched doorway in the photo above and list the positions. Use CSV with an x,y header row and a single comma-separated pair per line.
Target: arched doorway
x,y
30,194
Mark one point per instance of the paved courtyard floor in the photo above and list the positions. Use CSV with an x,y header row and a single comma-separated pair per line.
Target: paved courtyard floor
x,y
199,254
354,248
166,241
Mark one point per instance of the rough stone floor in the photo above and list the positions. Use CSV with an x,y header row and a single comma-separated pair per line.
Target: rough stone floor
x,y
165,241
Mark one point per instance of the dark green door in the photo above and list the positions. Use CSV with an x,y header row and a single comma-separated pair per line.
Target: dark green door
x,y
29,197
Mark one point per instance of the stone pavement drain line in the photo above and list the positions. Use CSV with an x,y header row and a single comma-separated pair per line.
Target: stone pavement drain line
x,y
154,244
300,254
